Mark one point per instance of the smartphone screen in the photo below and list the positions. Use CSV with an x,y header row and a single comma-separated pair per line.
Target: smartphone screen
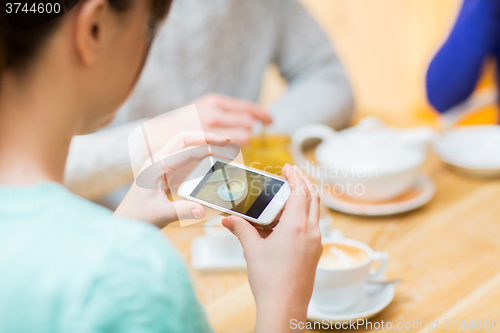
x,y
239,190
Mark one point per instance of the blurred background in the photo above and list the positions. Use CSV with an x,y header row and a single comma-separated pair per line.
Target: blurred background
x,y
386,47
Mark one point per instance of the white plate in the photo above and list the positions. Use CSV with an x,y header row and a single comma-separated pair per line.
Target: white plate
x,y
474,150
205,255
420,194
371,303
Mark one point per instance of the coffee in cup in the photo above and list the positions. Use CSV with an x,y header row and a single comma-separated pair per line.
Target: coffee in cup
x,y
235,186
343,269
232,190
338,255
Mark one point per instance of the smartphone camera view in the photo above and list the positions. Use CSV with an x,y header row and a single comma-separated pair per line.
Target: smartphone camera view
x,y
236,189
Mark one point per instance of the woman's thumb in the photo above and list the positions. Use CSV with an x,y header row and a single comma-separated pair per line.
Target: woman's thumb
x,y
189,210
246,233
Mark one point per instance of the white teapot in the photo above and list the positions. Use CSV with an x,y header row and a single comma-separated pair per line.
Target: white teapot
x,y
367,162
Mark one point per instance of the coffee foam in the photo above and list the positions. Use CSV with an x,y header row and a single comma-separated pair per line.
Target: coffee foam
x,y
235,186
341,256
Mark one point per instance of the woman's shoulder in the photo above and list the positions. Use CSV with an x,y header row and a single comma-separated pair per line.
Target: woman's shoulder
x,y
83,234
95,232
131,268
104,273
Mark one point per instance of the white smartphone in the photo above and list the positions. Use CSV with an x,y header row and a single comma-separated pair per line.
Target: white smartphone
x,y
236,189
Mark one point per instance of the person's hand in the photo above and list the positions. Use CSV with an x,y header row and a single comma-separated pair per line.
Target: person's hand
x,y
282,267
153,205
230,116
219,114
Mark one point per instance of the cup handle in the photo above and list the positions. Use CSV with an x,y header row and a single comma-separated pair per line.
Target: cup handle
x,y
383,258
313,131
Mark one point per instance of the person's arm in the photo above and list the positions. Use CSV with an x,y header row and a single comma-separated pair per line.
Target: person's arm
x,y
282,267
292,249
318,88
149,203
99,163
455,69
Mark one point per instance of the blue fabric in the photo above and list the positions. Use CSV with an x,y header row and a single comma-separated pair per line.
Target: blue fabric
x,y
455,70
68,265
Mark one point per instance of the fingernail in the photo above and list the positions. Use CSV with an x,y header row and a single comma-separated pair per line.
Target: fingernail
x,y
296,167
198,213
228,223
224,138
285,168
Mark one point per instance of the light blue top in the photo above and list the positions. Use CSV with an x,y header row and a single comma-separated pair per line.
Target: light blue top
x,y
68,265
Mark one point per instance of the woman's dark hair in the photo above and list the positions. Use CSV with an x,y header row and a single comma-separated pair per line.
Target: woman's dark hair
x,y
17,49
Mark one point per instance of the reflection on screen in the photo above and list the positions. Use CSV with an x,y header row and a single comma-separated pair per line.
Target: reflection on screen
x,y
236,189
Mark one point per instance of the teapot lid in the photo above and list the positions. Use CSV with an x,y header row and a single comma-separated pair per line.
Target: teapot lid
x,y
379,152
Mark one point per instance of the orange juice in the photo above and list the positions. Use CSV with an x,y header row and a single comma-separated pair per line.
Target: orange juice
x,y
268,152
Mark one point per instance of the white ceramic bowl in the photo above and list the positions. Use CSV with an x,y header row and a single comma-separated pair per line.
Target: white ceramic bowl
x,y
472,150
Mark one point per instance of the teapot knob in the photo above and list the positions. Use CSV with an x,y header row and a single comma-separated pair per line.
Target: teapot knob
x,y
369,123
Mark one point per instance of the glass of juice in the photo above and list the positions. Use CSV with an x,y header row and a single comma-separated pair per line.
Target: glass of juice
x,y
268,152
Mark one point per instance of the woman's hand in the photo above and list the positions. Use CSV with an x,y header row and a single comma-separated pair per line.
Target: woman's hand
x,y
152,205
282,267
219,114
230,116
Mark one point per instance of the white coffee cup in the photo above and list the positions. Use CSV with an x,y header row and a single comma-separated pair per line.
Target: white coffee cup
x,y
325,223
224,244
338,288
228,194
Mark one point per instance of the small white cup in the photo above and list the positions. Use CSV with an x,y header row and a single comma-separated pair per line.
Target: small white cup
x,y
225,193
325,222
337,289
225,244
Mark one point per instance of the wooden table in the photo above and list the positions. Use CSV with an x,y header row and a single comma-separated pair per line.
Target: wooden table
x,y
447,253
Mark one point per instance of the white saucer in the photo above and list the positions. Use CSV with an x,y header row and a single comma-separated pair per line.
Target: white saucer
x,y
420,194
205,257
473,150
371,303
